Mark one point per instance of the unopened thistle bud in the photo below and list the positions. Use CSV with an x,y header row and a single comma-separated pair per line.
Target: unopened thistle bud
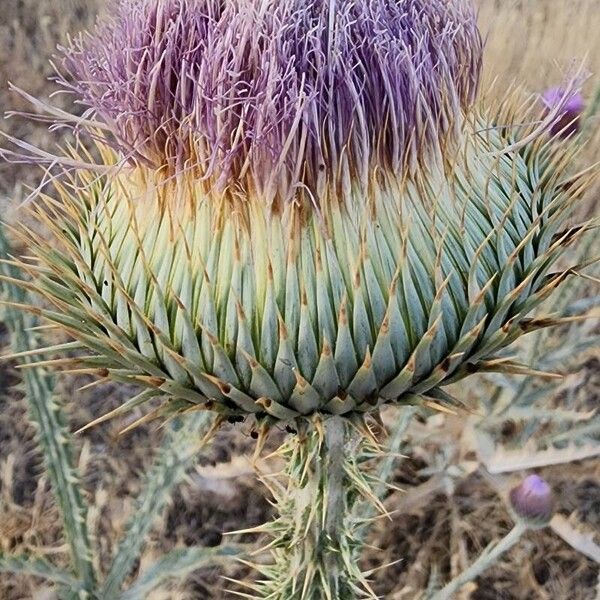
x,y
532,501
568,120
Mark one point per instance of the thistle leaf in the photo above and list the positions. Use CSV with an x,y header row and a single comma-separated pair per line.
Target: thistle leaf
x,y
38,567
176,455
52,433
176,565
576,538
529,457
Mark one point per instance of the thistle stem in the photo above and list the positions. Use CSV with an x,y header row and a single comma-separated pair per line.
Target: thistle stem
x,y
485,560
315,548
333,452
336,458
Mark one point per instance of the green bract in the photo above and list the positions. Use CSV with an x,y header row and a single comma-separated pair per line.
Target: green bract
x,y
369,300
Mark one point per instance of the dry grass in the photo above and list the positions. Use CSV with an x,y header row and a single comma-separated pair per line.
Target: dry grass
x,y
536,42
29,33
528,40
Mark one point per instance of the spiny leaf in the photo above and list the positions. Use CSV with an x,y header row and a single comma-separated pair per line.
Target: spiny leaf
x,y
576,538
177,453
176,565
529,457
39,567
52,433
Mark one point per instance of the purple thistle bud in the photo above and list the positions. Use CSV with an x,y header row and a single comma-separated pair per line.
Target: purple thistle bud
x,y
532,501
276,96
568,120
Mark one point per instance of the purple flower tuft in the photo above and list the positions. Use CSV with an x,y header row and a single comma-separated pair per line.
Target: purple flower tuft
x,y
273,96
567,122
532,500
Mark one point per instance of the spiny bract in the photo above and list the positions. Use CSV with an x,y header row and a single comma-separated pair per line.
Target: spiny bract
x,y
335,312
361,281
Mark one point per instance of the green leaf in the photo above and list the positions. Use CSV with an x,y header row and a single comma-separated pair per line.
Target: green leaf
x,y
25,564
176,565
176,455
52,433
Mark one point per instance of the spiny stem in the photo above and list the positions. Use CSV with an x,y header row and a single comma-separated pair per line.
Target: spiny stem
x,y
52,434
315,545
485,560
333,453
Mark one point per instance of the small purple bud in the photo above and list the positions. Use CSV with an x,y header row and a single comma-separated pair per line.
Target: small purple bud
x,y
568,121
532,501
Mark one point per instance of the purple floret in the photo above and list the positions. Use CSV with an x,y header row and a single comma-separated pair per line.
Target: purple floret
x,y
273,96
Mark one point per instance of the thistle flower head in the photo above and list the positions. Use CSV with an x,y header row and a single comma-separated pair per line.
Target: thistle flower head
x,y
417,266
532,500
275,96
573,104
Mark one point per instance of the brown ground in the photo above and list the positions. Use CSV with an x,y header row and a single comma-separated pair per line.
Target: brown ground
x,y
444,532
